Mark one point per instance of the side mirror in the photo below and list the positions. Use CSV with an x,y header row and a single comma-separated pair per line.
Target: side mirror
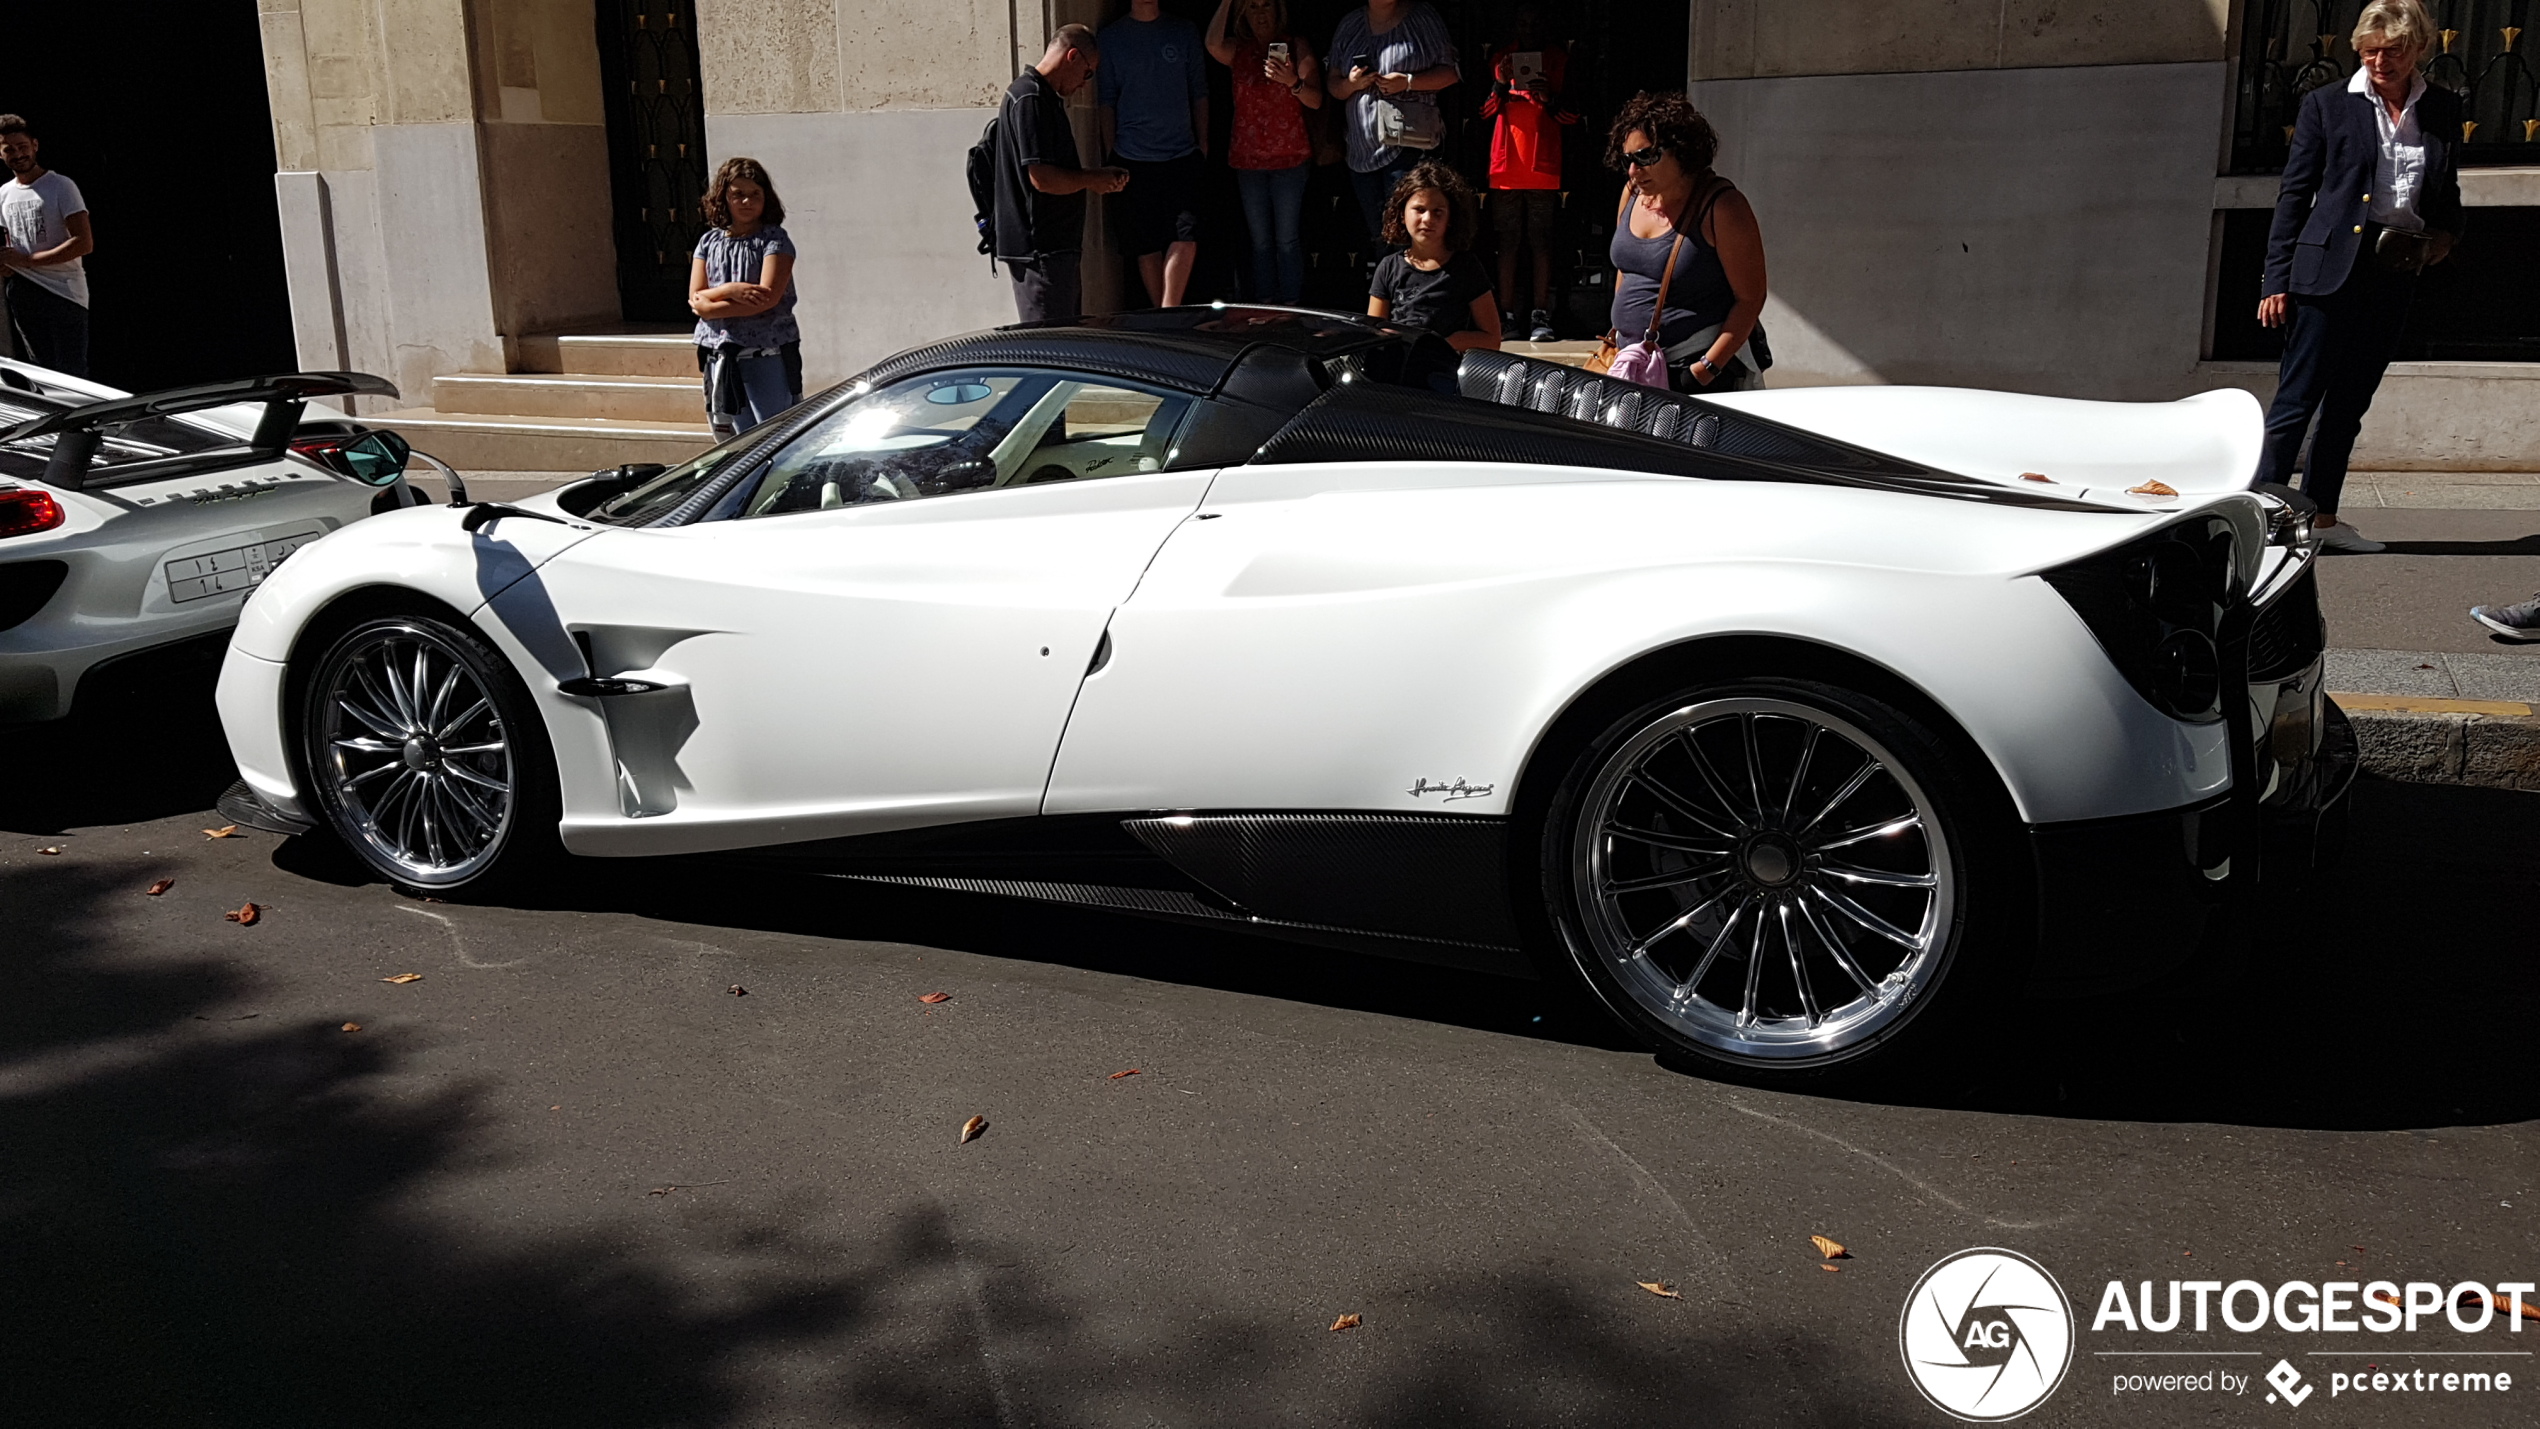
x,y
372,458
378,458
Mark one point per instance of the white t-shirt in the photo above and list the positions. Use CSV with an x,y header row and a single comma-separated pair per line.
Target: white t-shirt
x,y
37,216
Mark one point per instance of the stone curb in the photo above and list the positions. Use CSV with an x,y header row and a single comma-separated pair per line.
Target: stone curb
x,y
2491,743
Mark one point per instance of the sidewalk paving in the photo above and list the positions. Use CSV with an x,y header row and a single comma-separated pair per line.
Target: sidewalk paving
x,y
2442,490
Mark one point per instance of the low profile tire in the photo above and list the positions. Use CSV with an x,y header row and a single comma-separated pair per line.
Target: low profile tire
x,y
427,759
1781,882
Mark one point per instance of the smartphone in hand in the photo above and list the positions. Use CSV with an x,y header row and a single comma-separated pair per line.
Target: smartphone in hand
x,y
1278,49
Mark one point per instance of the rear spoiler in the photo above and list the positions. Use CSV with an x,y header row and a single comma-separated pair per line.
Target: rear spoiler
x,y
78,431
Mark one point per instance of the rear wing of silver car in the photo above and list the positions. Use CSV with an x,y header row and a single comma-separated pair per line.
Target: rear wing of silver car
x,y
135,429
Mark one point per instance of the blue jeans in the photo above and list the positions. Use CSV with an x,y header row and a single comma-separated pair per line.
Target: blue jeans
x,y
1374,187
765,386
1274,199
2335,348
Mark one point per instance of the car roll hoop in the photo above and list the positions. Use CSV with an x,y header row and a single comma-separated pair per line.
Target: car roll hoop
x,y
78,432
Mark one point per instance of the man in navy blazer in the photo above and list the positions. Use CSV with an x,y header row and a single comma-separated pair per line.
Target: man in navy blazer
x,y
2371,194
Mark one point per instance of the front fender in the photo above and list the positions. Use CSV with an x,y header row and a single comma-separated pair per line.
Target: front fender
x,y
419,549
483,575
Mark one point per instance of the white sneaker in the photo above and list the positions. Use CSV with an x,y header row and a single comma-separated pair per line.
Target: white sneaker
x,y
2344,537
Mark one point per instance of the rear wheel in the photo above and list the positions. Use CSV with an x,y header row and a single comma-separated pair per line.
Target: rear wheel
x,y
1774,880
426,756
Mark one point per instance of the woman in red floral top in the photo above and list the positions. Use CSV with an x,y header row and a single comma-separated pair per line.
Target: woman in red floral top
x,y
1276,81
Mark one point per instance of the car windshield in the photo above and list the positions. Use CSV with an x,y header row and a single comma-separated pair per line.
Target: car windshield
x,y
654,499
972,430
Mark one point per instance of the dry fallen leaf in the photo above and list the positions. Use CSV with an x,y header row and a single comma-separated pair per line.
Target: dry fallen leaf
x,y
737,990
1346,1322
2385,1299
223,832
162,886
933,997
1133,1071
970,1129
402,979
1829,1249
2153,488
352,1027
2037,476
57,848
1659,1288
1830,1265
2504,1305
244,915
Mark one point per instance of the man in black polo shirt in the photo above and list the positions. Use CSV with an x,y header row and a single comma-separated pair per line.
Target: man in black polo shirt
x,y
1040,187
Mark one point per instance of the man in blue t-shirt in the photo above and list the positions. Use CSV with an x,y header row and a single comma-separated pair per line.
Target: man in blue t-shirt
x,y
1155,122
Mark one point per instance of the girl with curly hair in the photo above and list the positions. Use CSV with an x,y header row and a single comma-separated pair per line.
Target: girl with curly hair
x,y
741,287
1436,282
1688,258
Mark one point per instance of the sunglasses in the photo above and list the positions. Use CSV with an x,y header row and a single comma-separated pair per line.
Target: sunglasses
x,y
1643,158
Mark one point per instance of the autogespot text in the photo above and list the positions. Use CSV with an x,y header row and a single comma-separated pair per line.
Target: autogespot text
x,y
2327,1308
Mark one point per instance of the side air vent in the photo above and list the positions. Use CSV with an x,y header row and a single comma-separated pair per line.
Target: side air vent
x,y
25,586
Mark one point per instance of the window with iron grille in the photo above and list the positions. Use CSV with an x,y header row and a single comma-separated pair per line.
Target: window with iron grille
x,y
2290,47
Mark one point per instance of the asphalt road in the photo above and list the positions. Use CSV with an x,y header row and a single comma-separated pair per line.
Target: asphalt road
x,y
568,1177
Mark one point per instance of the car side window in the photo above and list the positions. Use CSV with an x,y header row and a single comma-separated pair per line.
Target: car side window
x,y
952,432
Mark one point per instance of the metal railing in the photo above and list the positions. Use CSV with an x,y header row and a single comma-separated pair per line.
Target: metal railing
x,y
2290,47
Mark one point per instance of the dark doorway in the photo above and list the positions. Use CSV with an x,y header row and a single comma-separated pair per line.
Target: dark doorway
x,y
171,144
657,149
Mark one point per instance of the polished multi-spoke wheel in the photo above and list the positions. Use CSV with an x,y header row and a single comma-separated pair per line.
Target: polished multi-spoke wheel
x,y
1761,879
413,752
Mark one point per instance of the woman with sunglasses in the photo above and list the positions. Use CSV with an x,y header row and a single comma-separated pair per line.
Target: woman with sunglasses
x,y
1688,259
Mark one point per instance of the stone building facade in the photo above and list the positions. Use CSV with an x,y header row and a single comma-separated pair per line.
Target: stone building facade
x,y
2030,195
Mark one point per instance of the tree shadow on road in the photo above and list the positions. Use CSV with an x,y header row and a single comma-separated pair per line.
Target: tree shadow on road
x,y
203,1216
215,1218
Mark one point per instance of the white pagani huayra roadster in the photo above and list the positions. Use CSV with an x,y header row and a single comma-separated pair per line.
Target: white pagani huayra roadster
x,y
1801,725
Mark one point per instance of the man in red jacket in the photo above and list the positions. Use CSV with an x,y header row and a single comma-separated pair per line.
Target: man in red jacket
x,y
1525,162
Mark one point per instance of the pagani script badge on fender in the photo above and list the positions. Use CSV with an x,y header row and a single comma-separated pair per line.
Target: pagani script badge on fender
x,y
1454,790
1987,1334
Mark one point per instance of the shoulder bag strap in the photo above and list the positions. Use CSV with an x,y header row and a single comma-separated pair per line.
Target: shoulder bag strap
x,y
1666,276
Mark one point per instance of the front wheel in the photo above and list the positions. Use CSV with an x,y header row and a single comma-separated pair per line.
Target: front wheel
x,y
426,757
1773,880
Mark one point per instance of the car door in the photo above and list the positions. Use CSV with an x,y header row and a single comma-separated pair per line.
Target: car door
x,y
883,626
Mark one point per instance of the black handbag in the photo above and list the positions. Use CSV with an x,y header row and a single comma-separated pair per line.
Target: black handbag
x,y
2402,251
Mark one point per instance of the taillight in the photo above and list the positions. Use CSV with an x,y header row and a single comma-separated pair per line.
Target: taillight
x,y
327,452
24,512
2157,607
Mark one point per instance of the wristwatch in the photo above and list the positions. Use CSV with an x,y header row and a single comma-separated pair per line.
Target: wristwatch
x,y
1704,362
